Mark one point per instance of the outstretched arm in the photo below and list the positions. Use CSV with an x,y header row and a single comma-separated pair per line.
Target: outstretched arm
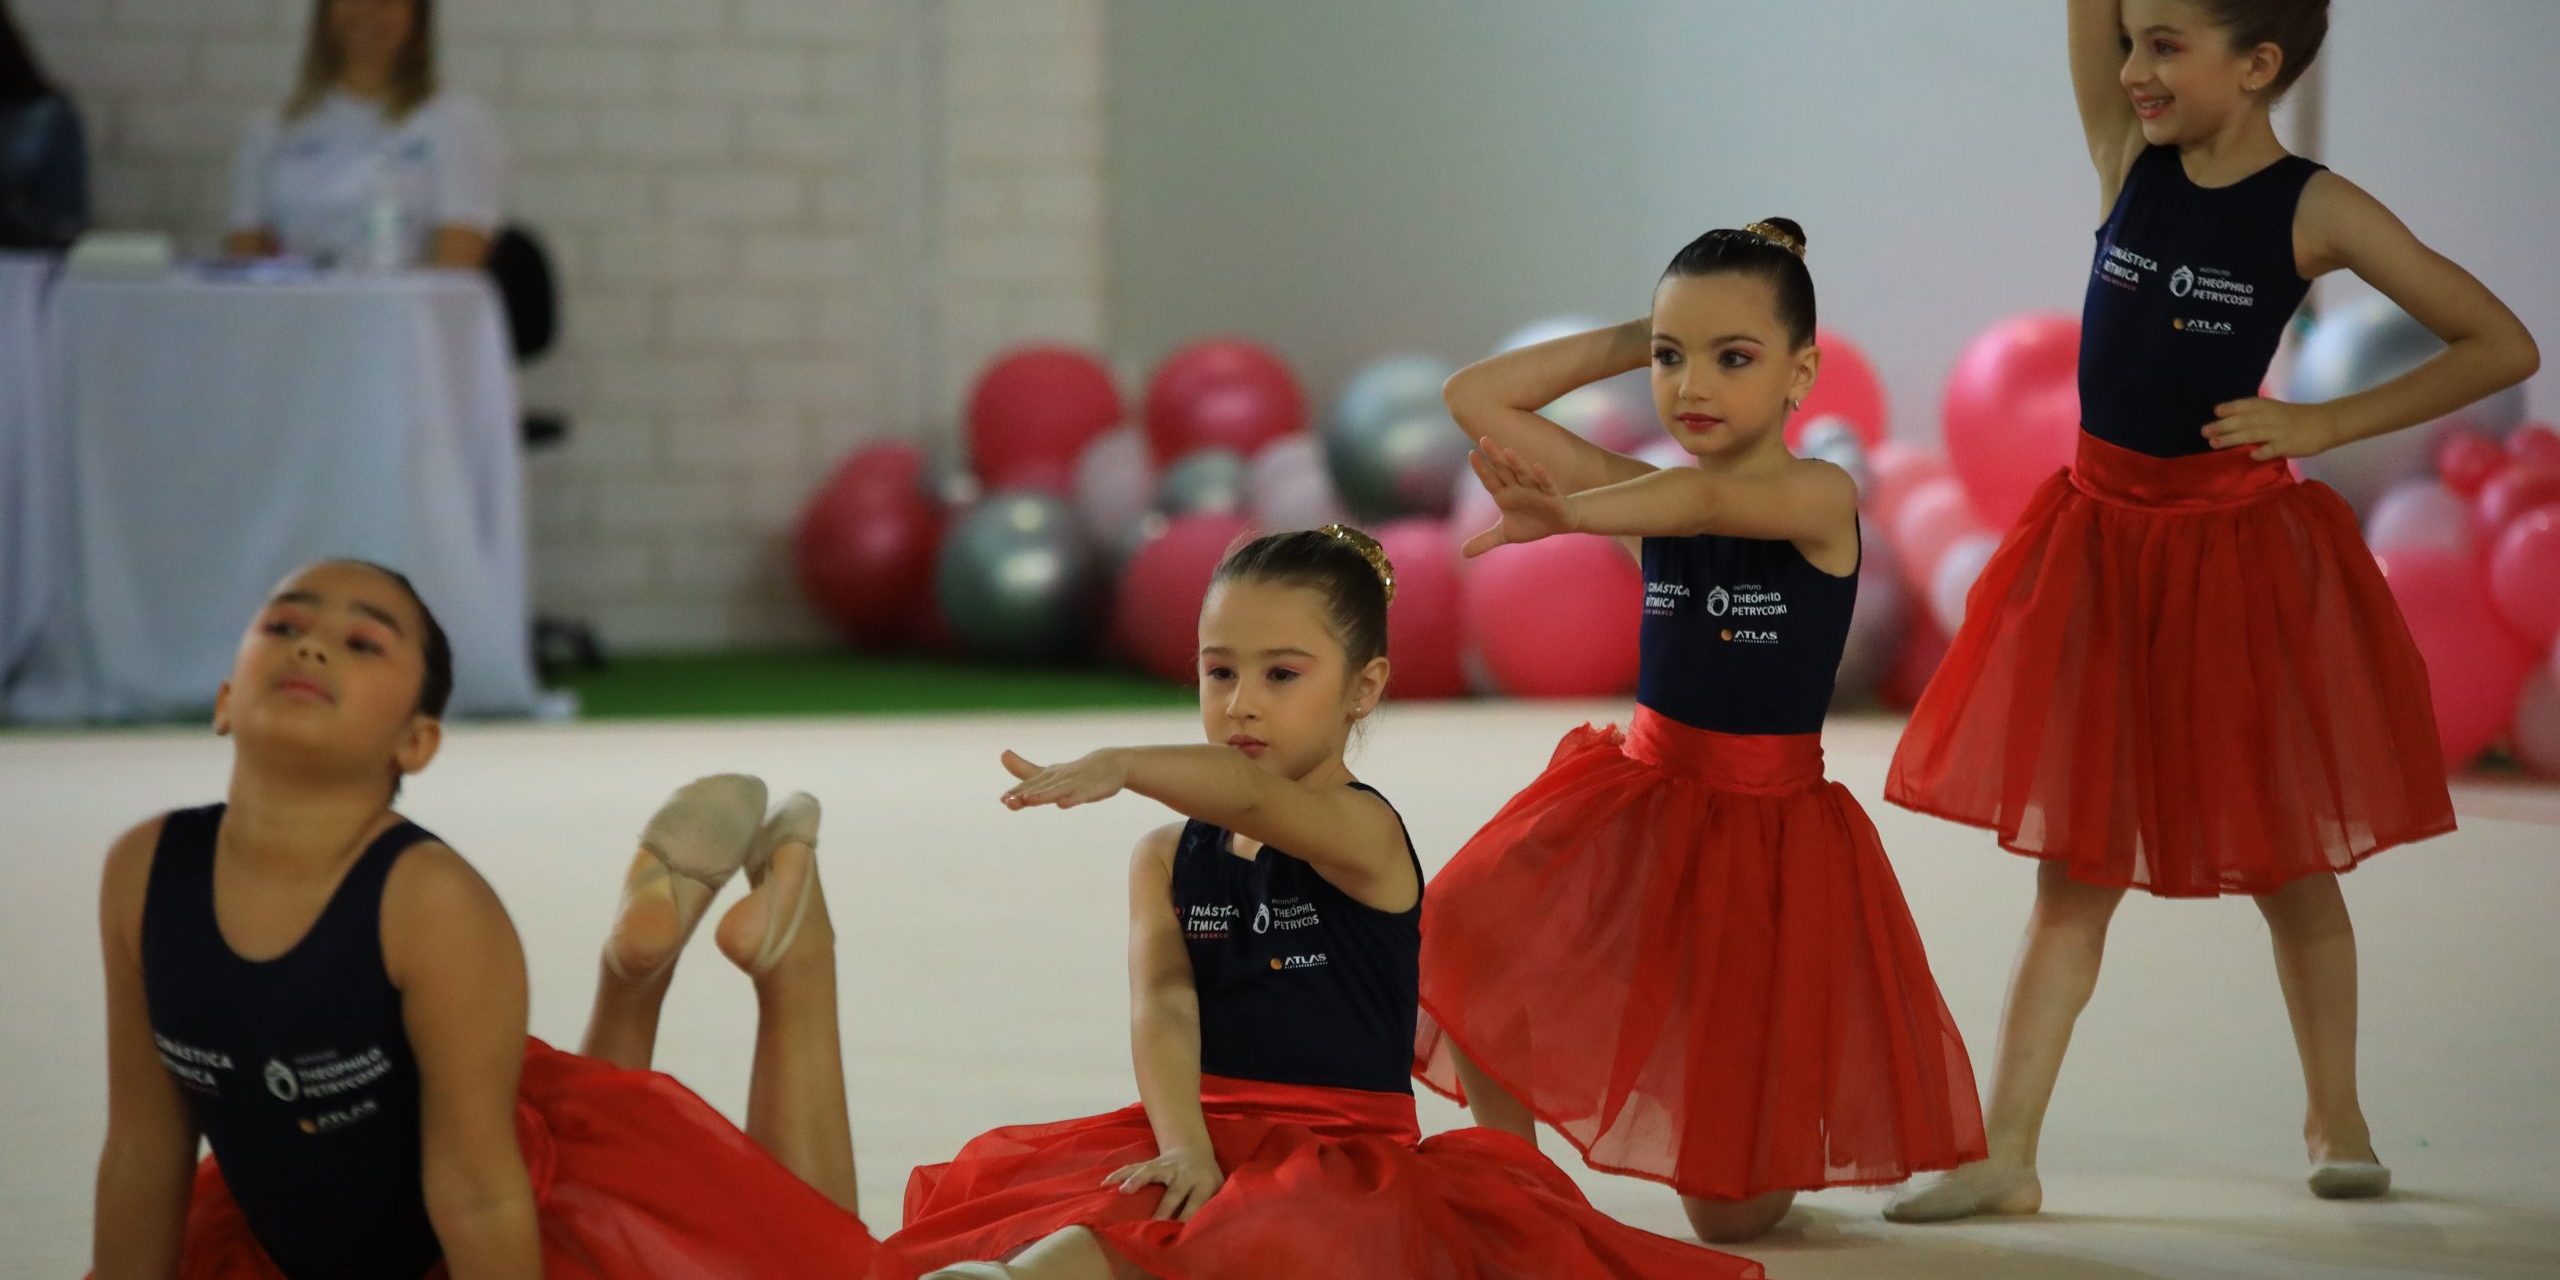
x,y
1350,837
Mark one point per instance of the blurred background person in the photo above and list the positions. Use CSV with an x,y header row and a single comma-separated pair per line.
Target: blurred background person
x,y
370,162
44,155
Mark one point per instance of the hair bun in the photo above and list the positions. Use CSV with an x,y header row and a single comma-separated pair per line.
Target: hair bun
x,y
1370,550
1783,231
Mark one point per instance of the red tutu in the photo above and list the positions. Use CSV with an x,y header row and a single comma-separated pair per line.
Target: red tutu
x,y
1332,1183
635,1176
1686,952
2184,675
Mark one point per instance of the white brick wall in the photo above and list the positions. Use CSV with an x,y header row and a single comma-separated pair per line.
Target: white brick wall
x,y
786,227
1022,125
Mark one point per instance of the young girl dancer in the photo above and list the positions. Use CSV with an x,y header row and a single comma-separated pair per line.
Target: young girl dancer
x,y
336,1001
1272,950
2182,671
1680,946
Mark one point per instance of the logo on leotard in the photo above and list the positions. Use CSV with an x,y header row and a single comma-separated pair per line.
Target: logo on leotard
x,y
332,1121
2213,284
2214,328
192,1065
1262,918
2123,267
281,1081
1747,600
1206,922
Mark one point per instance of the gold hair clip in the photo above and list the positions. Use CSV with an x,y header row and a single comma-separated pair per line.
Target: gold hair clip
x,y
1778,236
1369,550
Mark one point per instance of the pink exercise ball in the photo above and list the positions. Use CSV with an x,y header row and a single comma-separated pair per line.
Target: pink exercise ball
x,y
2415,514
2524,575
2011,415
2465,459
1156,616
1846,387
2509,494
1426,633
1932,518
1556,618
2475,665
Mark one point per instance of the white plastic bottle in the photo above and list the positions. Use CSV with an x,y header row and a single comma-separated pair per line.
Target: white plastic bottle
x,y
384,249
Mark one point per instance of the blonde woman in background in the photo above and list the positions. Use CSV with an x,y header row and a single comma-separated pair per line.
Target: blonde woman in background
x,y
370,162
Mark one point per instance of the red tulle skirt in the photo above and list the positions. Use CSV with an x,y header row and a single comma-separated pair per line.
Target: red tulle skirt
x,y
1321,1184
635,1176
2184,675
1686,952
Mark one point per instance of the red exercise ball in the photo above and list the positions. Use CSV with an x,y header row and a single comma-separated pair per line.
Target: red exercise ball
x,y
1894,469
1472,510
1556,618
1054,476
866,545
1156,618
1221,393
1425,632
2536,444
2524,575
1924,646
2509,494
2475,665
886,467
2465,459
2012,412
1932,518
1847,388
1032,413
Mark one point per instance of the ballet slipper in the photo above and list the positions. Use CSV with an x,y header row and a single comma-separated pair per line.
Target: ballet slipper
x,y
972,1271
2349,1179
794,821
692,845
1978,1188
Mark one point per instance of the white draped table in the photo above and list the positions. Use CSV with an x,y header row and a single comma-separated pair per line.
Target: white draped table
x,y
216,434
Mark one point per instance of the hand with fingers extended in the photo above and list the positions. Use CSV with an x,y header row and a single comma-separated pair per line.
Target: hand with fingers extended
x,y
1098,776
2276,428
1532,506
1189,1177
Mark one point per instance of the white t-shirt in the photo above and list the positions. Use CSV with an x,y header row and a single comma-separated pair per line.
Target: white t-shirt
x,y
314,181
